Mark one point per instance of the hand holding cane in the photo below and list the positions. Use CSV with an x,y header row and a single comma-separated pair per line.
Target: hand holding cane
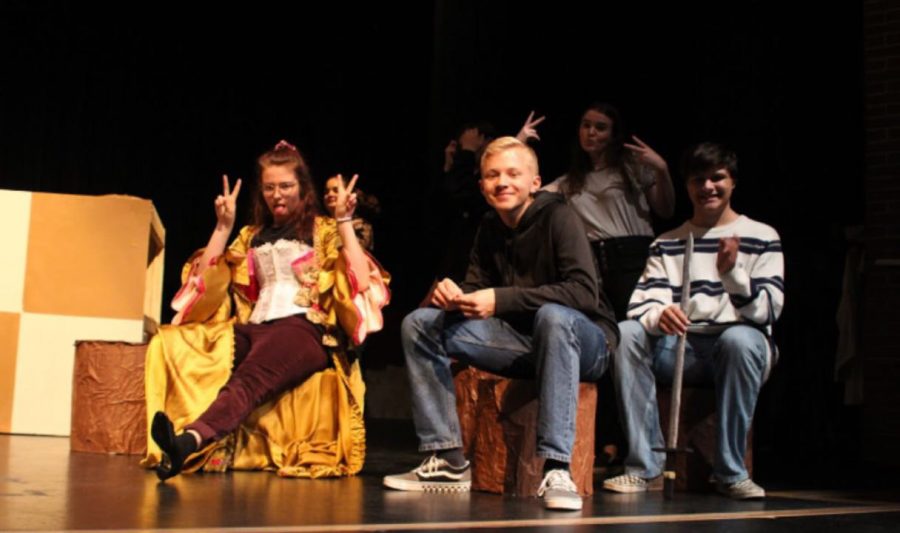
x,y
675,407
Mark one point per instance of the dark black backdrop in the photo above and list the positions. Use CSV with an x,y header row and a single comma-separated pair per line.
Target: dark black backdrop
x,y
158,101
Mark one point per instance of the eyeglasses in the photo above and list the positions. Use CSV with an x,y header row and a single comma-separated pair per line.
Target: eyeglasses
x,y
284,187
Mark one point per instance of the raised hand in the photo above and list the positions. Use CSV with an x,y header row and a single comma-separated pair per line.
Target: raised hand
x,y
646,155
449,154
226,204
528,130
728,251
345,205
471,139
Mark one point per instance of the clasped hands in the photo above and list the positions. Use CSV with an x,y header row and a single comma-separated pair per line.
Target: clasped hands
x,y
447,295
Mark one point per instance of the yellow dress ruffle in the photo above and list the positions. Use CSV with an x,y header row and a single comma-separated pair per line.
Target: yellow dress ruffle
x,y
314,430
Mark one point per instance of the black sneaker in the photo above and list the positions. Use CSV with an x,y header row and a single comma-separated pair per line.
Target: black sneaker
x,y
433,475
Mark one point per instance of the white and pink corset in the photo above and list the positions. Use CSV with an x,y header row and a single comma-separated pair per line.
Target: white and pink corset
x,y
275,267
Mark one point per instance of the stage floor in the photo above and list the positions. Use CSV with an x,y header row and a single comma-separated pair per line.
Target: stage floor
x,y
45,487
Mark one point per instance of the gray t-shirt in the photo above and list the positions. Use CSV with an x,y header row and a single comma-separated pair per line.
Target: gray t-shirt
x,y
606,206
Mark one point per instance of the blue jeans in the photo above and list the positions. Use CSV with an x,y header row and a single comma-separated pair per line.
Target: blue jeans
x,y
565,348
735,360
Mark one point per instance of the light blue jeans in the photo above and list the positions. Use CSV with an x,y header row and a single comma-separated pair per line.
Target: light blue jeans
x,y
565,348
736,361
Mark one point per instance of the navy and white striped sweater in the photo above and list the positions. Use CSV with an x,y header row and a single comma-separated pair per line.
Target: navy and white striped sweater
x,y
751,293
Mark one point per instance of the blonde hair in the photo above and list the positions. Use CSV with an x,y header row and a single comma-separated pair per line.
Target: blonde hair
x,y
502,144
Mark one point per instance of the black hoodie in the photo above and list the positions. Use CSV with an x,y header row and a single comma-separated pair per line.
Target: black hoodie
x,y
545,259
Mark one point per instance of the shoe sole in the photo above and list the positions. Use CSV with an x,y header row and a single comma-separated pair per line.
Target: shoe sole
x,y
562,504
743,496
629,489
427,486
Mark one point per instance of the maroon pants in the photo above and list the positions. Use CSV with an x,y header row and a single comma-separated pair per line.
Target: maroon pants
x,y
269,358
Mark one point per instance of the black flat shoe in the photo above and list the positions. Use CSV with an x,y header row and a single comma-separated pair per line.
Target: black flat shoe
x,y
163,433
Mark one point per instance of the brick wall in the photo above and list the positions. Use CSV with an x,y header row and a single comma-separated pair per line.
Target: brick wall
x,y
881,330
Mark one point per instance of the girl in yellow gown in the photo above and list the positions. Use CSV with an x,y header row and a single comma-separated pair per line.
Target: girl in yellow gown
x,y
258,369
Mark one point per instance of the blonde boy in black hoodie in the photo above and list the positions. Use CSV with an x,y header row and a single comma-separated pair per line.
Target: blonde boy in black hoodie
x,y
528,307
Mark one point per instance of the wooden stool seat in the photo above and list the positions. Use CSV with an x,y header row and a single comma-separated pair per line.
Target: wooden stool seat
x,y
498,418
697,430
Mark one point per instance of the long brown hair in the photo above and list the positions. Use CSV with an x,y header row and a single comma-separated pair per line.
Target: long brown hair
x,y
285,154
617,156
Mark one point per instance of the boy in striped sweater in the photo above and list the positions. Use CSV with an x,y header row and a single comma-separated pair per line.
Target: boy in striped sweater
x,y
737,292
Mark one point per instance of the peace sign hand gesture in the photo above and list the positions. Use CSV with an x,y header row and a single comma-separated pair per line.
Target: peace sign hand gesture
x,y
345,205
226,204
646,155
529,130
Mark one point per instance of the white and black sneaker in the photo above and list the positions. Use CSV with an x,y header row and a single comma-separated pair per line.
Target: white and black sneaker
x,y
742,490
433,475
559,492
